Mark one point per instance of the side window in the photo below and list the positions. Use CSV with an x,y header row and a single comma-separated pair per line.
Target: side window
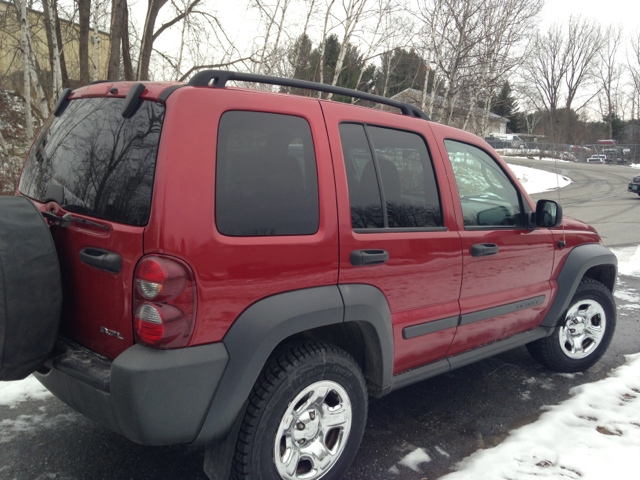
x,y
408,180
364,192
487,196
402,167
266,175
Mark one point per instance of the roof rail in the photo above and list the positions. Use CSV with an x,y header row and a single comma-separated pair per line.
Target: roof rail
x,y
221,77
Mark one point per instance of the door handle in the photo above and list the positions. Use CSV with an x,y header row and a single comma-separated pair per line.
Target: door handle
x,y
102,259
368,257
484,249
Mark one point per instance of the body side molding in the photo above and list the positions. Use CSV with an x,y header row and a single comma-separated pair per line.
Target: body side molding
x,y
579,260
488,313
430,327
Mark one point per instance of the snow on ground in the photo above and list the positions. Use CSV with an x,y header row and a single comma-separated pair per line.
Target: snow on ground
x,y
593,435
524,157
628,265
12,393
536,181
413,459
628,260
635,165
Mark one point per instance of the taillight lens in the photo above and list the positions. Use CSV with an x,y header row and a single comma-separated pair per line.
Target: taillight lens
x,y
164,302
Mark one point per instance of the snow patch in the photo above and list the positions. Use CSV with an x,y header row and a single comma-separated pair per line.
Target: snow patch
x,y
593,435
628,260
635,165
414,459
28,424
12,393
536,181
441,451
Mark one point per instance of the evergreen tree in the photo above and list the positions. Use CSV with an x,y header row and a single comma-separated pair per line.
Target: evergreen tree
x,y
505,105
308,66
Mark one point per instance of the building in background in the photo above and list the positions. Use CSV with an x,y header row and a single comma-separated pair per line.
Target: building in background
x,y
11,63
495,124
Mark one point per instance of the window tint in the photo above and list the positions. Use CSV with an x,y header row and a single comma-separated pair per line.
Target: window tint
x,y
408,180
364,193
104,163
488,197
404,167
266,176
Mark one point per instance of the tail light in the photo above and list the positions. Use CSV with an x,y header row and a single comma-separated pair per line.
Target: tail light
x,y
164,302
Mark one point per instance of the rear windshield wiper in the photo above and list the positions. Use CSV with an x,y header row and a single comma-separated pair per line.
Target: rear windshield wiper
x,y
65,220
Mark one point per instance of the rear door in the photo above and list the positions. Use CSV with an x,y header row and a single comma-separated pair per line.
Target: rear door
x,y
98,168
393,205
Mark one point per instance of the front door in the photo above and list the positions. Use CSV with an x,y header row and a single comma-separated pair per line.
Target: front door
x,y
506,264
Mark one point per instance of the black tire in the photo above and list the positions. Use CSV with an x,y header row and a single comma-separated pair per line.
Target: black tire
x,y
291,373
557,351
30,289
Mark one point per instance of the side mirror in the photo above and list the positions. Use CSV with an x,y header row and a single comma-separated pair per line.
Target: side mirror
x,y
548,214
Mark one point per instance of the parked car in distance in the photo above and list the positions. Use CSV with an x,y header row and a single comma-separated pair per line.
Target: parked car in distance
x,y
207,265
597,159
634,185
514,141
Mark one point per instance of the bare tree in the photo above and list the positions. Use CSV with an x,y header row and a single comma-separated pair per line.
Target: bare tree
x,y
149,34
609,74
84,14
24,41
115,38
325,32
296,57
353,11
584,43
52,43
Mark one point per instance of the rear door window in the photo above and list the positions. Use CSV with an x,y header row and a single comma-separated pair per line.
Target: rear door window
x,y
104,163
401,177
266,175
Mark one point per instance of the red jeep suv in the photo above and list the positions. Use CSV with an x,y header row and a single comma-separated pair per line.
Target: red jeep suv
x,y
198,264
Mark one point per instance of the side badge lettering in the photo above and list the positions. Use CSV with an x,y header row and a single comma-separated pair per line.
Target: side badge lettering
x,y
111,333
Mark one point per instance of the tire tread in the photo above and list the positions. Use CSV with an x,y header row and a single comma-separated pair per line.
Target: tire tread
x,y
284,361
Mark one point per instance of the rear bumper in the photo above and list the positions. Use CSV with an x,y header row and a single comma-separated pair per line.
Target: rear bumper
x,y
150,396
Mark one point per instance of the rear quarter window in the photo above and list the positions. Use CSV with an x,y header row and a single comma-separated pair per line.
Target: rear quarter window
x,y
266,175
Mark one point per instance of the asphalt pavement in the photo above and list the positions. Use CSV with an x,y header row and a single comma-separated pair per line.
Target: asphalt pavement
x,y
448,417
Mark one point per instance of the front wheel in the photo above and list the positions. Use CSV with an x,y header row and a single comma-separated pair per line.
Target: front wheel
x,y
305,418
583,335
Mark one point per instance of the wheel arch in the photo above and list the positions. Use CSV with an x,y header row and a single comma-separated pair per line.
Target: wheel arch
x,y
591,260
355,318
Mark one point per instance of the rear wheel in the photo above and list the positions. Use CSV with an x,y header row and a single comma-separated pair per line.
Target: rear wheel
x,y
305,418
583,335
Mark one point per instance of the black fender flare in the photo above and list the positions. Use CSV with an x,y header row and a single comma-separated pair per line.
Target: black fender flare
x,y
579,260
264,325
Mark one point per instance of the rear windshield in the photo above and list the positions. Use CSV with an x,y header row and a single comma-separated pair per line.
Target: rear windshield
x,y
104,163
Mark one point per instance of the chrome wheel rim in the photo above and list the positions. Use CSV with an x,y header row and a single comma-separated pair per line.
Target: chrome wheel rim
x,y
313,431
583,329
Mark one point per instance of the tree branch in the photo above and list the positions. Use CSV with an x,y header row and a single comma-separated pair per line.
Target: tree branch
x,y
217,65
171,23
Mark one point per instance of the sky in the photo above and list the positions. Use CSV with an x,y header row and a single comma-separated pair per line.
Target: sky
x,y
615,12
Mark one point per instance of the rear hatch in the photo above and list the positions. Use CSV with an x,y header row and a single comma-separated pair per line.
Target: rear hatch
x,y
98,167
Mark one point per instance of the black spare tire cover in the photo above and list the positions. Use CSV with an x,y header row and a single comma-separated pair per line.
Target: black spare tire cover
x,y
30,289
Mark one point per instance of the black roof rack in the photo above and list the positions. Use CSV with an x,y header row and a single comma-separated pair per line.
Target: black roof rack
x,y
221,77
